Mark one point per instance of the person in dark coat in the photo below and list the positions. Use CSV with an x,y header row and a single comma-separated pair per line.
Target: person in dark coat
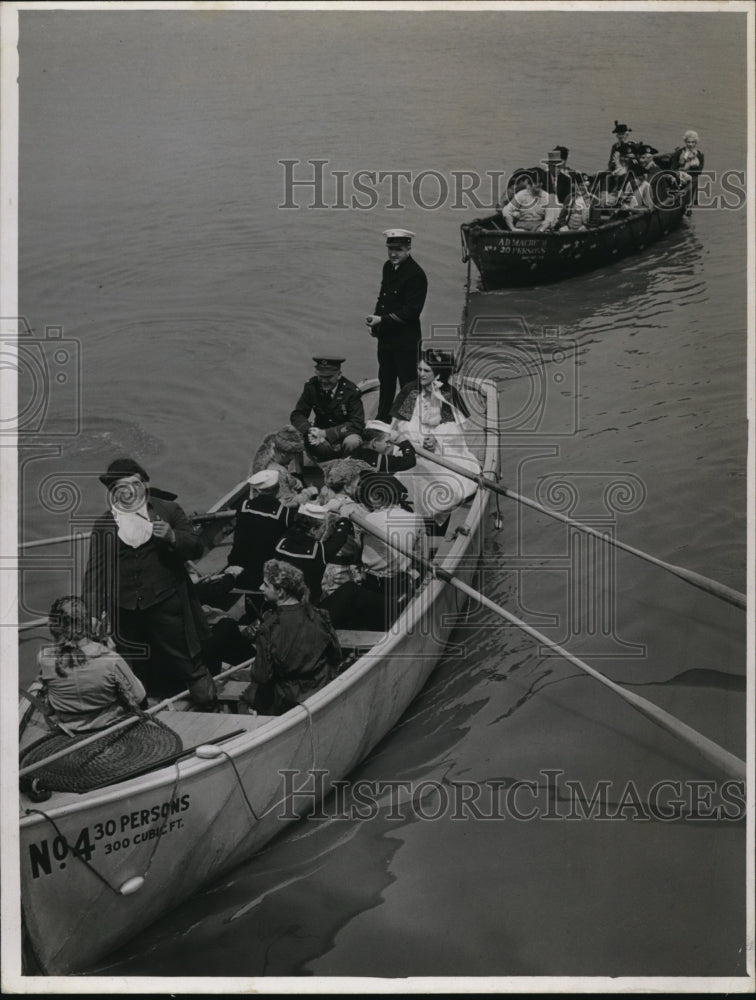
x,y
339,416
298,651
301,546
260,524
395,320
137,580
623,148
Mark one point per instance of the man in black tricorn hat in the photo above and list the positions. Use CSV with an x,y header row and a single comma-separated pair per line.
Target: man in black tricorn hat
x,y
136,575
395,321
623,146
338,413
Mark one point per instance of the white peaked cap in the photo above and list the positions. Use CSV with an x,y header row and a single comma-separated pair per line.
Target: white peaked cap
x,y
313,510
378,425
264,480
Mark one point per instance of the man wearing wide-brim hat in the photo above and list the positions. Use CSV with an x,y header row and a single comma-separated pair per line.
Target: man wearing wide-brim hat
x,y
136,577
395,321
338,416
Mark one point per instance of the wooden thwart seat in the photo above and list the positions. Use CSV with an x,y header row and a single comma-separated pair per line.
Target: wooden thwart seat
x,y
359,638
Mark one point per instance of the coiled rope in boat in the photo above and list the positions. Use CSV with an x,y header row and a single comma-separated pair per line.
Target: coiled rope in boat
x,y
104,761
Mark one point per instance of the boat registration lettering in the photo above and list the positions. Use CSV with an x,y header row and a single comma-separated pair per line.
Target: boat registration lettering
x,y
50,853
522,247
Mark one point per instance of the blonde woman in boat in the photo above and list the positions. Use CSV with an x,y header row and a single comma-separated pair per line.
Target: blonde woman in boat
x,y
431,414
280,451
298,651
87,685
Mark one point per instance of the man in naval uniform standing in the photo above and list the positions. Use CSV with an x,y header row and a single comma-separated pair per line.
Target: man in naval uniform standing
x,y
396,319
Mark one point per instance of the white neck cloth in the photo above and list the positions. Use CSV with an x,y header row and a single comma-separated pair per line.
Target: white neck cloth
x,y
134,526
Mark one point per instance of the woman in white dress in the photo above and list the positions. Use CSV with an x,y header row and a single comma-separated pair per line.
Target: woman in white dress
x,y
432,415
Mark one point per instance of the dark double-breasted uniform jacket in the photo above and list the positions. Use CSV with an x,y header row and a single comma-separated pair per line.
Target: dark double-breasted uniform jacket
x,y
400,301
339,414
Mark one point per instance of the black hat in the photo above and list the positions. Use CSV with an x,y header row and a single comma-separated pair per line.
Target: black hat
x,y
620,128
120,468
645,148
379,489
328,366
563,150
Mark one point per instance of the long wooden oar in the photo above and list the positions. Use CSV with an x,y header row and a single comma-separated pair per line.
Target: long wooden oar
x,y
130,721
81,536
696,579
722,759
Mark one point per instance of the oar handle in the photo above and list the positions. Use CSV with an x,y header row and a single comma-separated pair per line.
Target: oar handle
x,y
82,536
713,587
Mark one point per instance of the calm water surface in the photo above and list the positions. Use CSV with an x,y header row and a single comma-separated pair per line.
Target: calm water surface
x,y
150,231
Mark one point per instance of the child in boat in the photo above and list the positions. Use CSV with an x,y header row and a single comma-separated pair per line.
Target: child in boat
x,y
88,686
298,651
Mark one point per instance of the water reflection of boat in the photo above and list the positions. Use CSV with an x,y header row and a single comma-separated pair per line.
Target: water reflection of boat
x,y
100,865
507,259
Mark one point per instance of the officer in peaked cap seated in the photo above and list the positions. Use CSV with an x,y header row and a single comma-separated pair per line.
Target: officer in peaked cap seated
x,y
395,321
338,414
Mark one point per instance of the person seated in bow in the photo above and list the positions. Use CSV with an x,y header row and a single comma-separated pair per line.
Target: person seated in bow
x,y
526,211
432,415
382,452
280,452
87,685
298,651
388,579
688,159
338,416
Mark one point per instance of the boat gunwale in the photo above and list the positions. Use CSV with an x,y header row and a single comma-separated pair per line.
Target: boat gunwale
x,y
477,232
247,742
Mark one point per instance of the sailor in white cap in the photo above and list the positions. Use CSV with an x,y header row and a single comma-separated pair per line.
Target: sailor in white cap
x,y
261,522
395,321
382,451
